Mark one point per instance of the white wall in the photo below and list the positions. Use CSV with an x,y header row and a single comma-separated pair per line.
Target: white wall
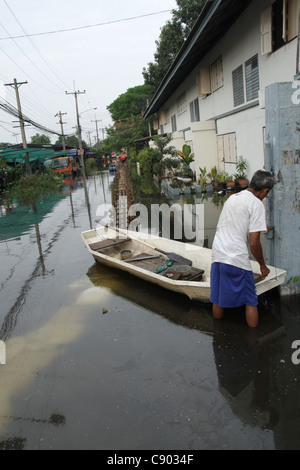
x,y
239,44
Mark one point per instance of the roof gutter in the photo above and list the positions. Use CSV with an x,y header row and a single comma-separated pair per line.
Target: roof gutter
x,y
183,53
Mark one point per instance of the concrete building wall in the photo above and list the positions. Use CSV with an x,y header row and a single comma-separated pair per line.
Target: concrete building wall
x,y
283,158
238,45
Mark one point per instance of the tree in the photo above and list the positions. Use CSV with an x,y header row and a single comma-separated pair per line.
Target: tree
x,y
71,142
40,139
171,38
131,103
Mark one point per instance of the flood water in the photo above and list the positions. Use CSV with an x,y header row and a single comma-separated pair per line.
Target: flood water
x,y
96,359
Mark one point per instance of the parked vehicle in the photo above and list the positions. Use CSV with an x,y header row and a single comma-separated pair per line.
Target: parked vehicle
x,y
67,166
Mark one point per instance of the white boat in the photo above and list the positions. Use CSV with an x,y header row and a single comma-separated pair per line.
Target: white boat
x,y
107,245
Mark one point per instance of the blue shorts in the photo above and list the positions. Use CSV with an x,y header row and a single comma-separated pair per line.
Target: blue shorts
x,y
231,286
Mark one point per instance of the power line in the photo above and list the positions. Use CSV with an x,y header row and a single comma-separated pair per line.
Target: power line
x,y
87,26
34,45
10,109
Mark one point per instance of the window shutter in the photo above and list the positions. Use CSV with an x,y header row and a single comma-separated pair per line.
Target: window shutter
x,y
163,119
192,112
216,72
203,82
197,110
266,31
291,23
238,86
252,78
155,124
229,148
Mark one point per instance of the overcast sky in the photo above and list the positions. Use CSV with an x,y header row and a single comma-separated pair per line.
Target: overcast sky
x,y
103,60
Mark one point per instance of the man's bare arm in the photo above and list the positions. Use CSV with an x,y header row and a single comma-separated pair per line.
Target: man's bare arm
x,y
257,252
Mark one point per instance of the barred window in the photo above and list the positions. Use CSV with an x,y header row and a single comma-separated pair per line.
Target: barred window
x,y
173,123
238,86
248,80
194,110
252,78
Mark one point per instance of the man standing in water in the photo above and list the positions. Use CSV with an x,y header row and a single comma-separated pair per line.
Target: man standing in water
x,y
241,222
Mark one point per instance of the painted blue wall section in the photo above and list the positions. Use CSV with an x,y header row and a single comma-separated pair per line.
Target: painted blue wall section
x,y
283,158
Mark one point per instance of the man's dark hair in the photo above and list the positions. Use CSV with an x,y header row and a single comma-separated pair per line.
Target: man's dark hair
x,y
261,180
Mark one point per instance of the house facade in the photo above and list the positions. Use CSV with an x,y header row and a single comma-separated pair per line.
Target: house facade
x,y
213,97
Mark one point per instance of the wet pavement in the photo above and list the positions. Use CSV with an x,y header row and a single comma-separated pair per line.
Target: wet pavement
x,y
96,359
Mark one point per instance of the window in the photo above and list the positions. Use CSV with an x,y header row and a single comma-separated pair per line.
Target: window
x,y
246,77
227,148
173,123
203,81
279,24
252,78
194,110
163,117
238,86
181,103
216,74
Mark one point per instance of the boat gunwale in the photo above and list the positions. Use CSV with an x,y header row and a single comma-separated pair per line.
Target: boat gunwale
x,y
277,277
157,277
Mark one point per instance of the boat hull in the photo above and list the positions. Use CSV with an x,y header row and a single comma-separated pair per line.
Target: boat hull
x,y
195,290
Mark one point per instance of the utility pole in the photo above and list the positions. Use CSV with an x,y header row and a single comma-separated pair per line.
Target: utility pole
x,y
16,86
96,121
89,134
75,93
60,114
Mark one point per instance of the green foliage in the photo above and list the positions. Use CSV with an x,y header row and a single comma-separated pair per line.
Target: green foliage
x,y
203,175
150,162
124,133
71,141
162,143
131,103
29,189
186,159
91,165
40,139
241,168
171,38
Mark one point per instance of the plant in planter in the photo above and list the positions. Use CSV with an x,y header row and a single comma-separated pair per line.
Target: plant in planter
x,y
212,174
186,159
241,175
221,179
230,183
203,178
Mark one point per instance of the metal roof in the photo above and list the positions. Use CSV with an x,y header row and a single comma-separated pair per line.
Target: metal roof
x,y
18,155
216,18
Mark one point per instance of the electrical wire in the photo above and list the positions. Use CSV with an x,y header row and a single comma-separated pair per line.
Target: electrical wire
x,y
10,109
35,47
87,26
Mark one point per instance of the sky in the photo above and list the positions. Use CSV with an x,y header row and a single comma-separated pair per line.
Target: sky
x,y
103,61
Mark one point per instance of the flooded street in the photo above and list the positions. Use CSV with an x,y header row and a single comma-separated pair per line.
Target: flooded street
x,y
97,359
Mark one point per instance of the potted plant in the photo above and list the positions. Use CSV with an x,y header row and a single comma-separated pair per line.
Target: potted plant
x,y
186,158
220,179
203,178
230,183
241,175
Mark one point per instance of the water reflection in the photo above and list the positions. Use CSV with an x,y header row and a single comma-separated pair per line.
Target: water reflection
x,y
252,376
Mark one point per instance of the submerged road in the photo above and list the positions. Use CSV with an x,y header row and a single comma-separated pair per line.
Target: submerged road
x,y
96,359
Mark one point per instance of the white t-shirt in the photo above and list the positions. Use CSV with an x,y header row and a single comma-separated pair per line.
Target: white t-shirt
x,y
242,213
